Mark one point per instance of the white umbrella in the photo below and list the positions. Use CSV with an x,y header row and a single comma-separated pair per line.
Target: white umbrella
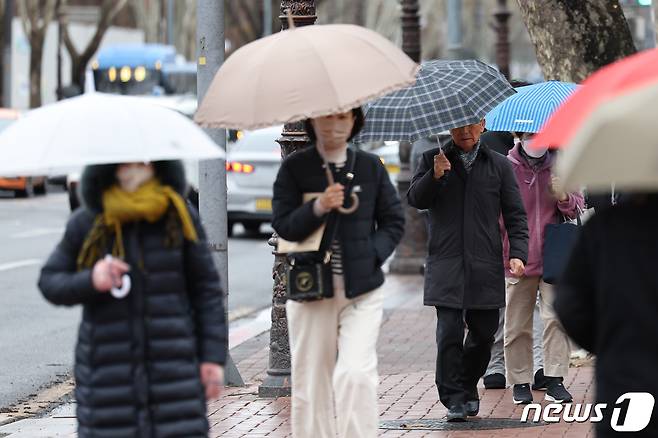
x,y
100,128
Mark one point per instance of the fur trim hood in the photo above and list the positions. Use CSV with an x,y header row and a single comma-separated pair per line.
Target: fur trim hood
x,y
97,178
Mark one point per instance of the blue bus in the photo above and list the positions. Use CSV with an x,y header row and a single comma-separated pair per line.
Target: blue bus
x,y
143,69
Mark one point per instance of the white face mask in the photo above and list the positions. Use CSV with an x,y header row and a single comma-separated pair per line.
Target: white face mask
x,y
533,151
132,177
332,132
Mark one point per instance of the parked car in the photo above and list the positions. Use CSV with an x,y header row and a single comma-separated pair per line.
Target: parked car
x,y
22,186
251,167
389,154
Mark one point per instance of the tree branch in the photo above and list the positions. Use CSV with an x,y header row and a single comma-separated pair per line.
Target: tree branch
x,y
25,19
66,36
235,19
107,15
253,15
51,6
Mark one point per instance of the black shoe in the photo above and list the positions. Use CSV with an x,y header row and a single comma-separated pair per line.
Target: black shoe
x,y
522,394
556,392
495,381
472,407
540,383
456,414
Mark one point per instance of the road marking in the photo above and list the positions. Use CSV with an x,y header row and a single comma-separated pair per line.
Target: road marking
x,y
38,232
19,264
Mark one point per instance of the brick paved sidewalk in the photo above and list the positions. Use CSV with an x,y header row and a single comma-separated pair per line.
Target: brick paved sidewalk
x,y
406,364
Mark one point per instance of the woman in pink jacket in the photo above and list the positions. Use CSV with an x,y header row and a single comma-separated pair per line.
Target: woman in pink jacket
x,y
544,204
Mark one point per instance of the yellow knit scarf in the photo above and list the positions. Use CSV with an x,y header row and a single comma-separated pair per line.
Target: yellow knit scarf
x,y
149,203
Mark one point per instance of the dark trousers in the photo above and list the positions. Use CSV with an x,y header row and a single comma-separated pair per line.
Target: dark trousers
x,y
461,363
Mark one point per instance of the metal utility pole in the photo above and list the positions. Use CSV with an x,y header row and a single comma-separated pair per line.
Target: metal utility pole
x,y
501,27
6,53
455,33
58,12
267,17
212,173
277,382
410,254
170,22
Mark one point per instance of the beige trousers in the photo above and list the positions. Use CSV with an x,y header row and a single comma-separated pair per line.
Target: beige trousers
x,y
521,299
334,365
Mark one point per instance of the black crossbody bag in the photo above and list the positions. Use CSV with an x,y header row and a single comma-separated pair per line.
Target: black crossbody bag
x,y
309,275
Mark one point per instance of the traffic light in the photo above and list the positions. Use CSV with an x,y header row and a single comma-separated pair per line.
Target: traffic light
x,y
644,2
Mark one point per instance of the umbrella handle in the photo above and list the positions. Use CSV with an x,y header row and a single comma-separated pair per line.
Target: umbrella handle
x,y
351,209
355,199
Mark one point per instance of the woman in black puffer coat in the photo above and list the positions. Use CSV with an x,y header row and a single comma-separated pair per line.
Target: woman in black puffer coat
x,y
146,363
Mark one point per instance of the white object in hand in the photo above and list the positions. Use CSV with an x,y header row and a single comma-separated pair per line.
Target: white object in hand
x,y
124,290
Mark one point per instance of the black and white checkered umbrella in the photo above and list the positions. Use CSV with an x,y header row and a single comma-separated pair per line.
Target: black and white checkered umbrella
x,y
447,94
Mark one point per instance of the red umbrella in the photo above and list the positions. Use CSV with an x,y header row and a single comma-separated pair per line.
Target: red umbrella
x,y
604,86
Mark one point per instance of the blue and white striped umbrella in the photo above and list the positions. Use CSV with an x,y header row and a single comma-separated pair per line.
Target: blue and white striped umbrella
x,y
530,107
447,94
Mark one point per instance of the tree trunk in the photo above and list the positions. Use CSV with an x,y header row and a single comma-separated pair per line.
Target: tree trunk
x,y
79,73
147,15
79,61
36,53
573,38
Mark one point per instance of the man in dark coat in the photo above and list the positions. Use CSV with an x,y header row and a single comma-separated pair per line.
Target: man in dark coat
x,y
465,189
145,363
607,302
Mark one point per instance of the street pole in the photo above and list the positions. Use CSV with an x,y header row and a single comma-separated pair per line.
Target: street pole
x,y
6,53
58,11
170,22
212,173
502,16
267,17
277,381
455,34
410,254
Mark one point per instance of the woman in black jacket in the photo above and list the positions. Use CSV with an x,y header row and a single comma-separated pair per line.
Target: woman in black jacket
x,y
607,302
332,341
146,362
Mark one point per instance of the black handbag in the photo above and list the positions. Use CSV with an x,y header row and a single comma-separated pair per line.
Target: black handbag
x,y
309,275
559,240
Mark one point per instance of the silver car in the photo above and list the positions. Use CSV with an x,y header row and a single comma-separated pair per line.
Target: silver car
x,y
252,163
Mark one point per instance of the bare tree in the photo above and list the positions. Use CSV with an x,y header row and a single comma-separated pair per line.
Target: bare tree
x,y
79,60
36,16
148,15
574,38
185,28
244,22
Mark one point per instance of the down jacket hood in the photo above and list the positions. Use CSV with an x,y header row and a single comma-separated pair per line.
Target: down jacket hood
x,y
97,178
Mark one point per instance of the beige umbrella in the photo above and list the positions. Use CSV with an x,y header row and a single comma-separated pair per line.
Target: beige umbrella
x,y
304,72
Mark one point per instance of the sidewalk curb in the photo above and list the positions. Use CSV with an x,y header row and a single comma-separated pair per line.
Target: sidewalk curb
x,y
40,405
61,393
